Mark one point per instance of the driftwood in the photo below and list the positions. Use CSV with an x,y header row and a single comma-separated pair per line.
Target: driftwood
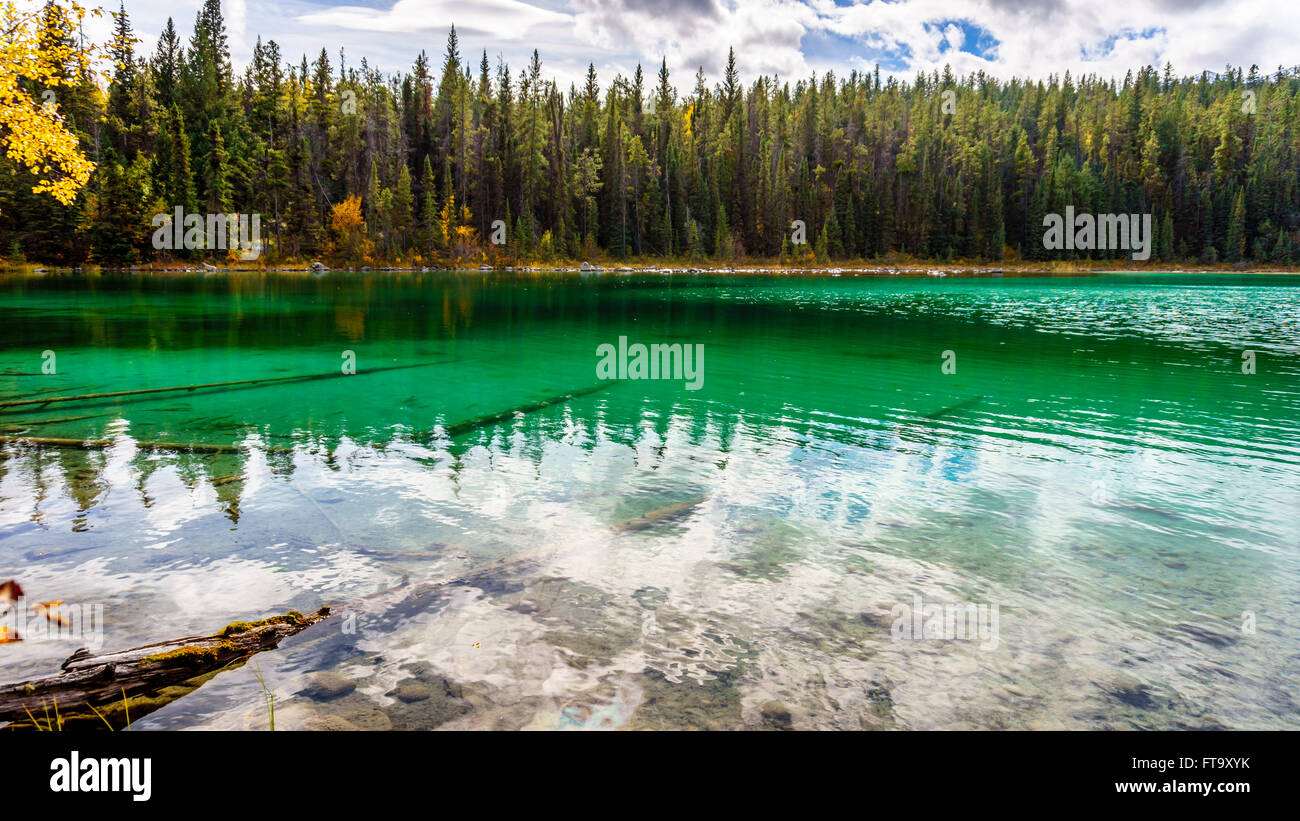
x,y
86,397
116,688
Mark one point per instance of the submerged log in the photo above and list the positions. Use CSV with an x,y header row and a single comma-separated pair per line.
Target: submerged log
x,y
118,687
963,405
100,444
664,514
454,430
62,419
487,420
18,428
86,397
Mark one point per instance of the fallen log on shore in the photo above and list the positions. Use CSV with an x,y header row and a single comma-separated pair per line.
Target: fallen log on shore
x,y
116,688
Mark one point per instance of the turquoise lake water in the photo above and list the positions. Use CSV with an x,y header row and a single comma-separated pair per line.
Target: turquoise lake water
x,y
1088,454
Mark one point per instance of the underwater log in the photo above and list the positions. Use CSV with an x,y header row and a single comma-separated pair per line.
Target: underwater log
x,y
100,444
664,514
461,428
85,397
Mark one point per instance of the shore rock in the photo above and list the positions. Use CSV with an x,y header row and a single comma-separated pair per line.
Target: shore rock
x,y
410,691
326,685
776,716
328,723
368,717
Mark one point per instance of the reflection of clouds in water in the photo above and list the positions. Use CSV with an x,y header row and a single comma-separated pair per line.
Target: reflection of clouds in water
x,y
764,581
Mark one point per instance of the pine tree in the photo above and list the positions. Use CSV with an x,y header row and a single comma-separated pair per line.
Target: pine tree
x,y
168,63
612,167
1165,246
1235,241
722,234
173,172
1282,252
429,225
402,203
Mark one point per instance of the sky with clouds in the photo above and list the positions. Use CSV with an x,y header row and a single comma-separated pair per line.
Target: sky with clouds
x,y
791,38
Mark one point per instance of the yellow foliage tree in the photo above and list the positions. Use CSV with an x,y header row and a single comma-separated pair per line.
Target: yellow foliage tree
x,y
35,50
462,240
349,229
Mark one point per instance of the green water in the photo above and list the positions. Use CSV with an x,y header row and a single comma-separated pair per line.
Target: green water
x,y
1097,465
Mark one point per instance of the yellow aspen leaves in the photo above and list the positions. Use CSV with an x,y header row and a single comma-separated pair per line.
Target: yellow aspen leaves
x,y
37,47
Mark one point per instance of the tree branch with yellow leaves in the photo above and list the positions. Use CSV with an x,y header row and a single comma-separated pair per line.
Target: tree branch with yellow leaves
x,y
37,50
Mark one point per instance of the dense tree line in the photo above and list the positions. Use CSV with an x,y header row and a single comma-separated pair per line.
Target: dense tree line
x,y
345,163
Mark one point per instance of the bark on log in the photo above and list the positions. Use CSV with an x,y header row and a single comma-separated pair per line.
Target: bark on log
x,y
109,687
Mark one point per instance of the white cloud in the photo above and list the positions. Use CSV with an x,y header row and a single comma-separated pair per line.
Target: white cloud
x,y
766,34
506,19
792,38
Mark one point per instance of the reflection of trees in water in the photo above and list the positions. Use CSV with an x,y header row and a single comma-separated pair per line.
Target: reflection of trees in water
x,y
646,425
83,480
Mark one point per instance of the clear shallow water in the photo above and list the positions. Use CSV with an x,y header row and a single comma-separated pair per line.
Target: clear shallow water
x,y
1098,466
